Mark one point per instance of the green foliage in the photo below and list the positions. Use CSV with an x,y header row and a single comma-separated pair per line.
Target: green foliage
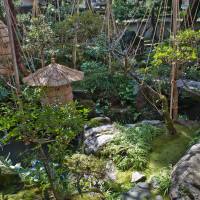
x,y
165,54
82,164
132,147
164,180
193,72
127,9
188,37
52,126
88,27
108,86
39,37
97,48
94,123
33,122
196,138
25,194
182,51
124,10
89,171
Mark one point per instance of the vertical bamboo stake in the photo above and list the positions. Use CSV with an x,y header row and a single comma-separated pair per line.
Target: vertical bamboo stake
x,y
174,89
74,54
10,32
108,10
58,7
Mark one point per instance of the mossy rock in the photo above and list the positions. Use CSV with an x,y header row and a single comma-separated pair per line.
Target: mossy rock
x,y
122,182
26,194
92,196
98,121
9,179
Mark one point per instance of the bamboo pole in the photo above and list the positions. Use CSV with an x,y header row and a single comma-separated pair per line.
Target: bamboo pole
x,y
74,54
108,16
10,33
174,89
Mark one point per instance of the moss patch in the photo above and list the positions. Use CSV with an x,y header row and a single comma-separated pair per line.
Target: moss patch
x,y
87,197
26,194
168,149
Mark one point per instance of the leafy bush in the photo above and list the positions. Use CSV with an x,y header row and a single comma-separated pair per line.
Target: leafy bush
x,y
89,25
124,10
132,147
193,73
106,86
97,48
88,172
48,126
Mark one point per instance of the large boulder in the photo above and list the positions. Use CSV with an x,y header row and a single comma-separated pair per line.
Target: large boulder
x,y
96,138
186,176
8,178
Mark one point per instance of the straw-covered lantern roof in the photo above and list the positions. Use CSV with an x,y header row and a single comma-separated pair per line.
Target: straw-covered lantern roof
x,y
5,51
53,75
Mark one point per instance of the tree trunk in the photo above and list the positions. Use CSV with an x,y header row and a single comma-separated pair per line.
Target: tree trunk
x,y
174,89
166,115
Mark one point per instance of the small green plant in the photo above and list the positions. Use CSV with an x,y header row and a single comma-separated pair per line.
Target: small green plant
x,y
164,180
89,172
131,148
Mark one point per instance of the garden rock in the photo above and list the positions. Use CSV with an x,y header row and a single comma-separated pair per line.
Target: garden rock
x,y
152,122
189,84
137,176
111,172
159,197
186,176
140,192
8,177
148,122
154,183
98,121
96,138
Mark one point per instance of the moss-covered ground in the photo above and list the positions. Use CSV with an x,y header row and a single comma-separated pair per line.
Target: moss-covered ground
x,y
168,149
25,194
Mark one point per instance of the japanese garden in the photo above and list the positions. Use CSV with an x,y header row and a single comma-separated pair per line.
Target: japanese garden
x,y
99,100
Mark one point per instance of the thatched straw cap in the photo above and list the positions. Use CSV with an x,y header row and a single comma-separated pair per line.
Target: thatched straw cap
x,y
53,75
